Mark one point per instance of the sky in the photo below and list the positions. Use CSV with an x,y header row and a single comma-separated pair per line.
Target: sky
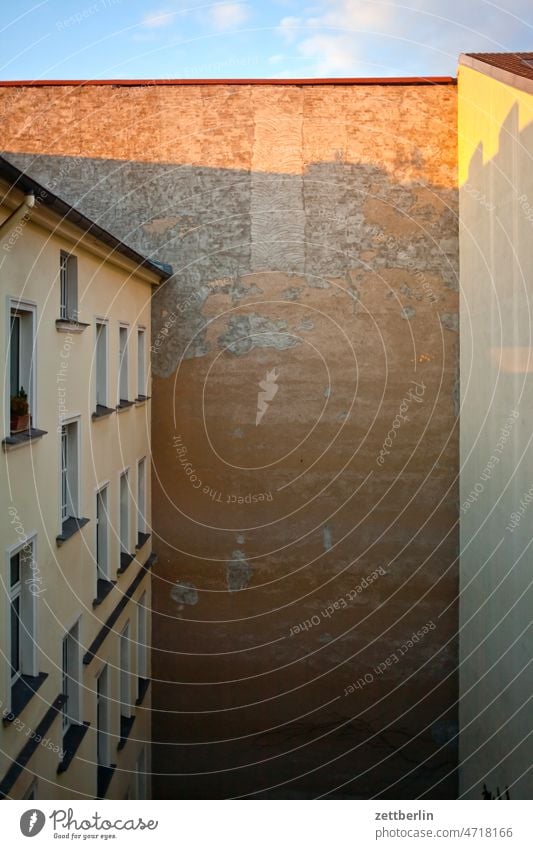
x,y
138,39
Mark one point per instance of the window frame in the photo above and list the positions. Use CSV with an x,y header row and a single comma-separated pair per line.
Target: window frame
x,y
102,573
29,354
142,390
101,323
70,475
143,671
71,671
125,672
68,286
140,512
124,510
28,634
123,363
102,729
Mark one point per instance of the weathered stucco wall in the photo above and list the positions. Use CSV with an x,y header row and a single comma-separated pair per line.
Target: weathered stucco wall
x,y
306,532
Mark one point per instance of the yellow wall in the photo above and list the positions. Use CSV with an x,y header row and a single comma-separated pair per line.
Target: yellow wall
x,y
496,258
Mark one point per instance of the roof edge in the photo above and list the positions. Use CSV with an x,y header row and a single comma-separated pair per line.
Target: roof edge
x,y
259,82
467,60
23,182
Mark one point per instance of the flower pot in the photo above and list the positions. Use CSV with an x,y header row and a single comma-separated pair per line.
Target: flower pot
x,y
20,423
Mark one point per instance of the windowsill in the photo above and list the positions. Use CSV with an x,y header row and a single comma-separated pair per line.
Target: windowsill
x,y
70,325
126,724
143,684
105,774
71,743
25,437
101,412
124,405
22,691
103,588
141,399
70,527
125,560
142,539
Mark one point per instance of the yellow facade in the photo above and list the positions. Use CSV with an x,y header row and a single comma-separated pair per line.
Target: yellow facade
x,y
496,258
60,578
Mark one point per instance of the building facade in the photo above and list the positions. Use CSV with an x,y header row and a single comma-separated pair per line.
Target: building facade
x,y
496,249
75,517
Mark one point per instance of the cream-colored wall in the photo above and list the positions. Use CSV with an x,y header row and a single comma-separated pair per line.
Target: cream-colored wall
x,y
30,498
496,255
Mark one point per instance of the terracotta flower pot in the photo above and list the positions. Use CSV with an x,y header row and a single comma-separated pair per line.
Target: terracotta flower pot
x,y
20,423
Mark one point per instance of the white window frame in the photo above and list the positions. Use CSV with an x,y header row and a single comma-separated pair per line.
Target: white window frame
x,y
103,323
28,636
70,483
125,676
68,286
71,677
123,363
141,775
102,688
124,511
28,355
143,671
101,543
141,362
141,496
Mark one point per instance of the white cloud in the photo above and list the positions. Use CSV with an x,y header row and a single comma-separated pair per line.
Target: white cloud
x,y
405,36
334,54
229,15
289,27
159,18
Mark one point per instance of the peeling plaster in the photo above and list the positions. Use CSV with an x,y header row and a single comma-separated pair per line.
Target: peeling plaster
x,y
450,320
408,313
326,536
183,592
238,571
246,332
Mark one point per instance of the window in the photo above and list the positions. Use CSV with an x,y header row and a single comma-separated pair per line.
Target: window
x,y
141,498
101,364
69,471
102,534
123,364
124,513
71,678
141,784
125,684
68,278
22,581
141,363
21,366
102,718
142,644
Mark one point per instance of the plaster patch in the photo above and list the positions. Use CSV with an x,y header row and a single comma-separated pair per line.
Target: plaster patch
x,y
246,332
408,313
450,320
326,536
183,592
238,572
292,293
305,324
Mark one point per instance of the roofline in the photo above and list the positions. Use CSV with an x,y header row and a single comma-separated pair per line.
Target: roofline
x,y
348,81
473,61
24,183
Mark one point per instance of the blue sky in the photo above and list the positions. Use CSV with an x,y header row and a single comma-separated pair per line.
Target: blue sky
x,y
99,39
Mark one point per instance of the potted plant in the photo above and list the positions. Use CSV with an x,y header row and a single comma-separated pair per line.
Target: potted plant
x,y
20,411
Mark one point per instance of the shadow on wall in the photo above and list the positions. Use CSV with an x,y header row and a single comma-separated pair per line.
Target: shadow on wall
x,y
304,358
496,367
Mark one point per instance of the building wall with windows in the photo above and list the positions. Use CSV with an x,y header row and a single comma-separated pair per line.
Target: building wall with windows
x,y
63,574
496,248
